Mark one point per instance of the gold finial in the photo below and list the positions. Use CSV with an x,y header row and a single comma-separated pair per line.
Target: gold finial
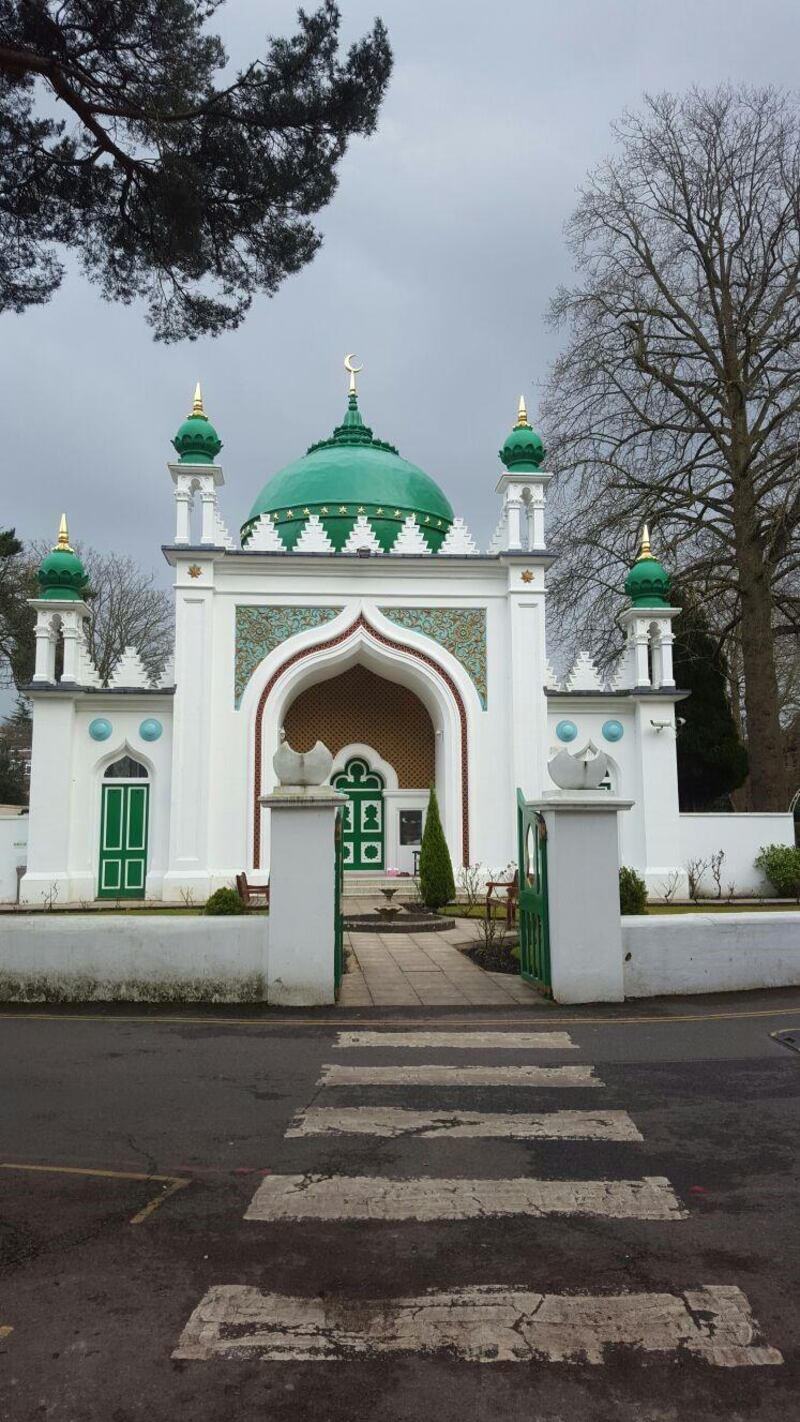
x,y
63,536
353,370
522,413
644,551
197,402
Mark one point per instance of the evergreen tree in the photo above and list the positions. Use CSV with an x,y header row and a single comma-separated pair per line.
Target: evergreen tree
x,y
712,760
120,141
437,885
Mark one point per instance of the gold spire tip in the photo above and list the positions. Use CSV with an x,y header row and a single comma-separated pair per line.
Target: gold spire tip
x,y
522,412
63,536
644,551
197,402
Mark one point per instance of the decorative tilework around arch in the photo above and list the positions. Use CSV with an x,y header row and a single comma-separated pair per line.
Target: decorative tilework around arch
x,y
379,637
460,630
260,629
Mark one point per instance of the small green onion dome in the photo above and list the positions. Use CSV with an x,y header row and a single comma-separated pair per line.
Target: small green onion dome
x,y
647,583
523,451
197,442
62,576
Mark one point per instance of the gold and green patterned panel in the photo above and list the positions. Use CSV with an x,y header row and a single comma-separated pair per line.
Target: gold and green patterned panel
x,y
259,630
460,630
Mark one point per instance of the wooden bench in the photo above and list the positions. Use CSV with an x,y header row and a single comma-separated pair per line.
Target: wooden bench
x,y
252,895
512,895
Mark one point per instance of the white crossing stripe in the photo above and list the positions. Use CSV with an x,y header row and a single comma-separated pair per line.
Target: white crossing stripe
x,y
360,1197
460,1041
335,1075
491,1324
397,1121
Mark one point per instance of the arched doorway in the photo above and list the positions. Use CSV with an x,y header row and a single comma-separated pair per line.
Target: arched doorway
x,y
363,826
124,814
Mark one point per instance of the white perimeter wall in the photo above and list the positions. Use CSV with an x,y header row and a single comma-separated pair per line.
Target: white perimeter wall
x,y
710,952
741,837
13,852
145,958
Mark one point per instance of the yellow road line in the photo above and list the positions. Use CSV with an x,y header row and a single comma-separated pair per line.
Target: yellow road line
x,y
173,1182
510,1019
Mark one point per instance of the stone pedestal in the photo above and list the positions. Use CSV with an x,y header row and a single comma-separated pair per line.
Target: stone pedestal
x,y
302,887
583,884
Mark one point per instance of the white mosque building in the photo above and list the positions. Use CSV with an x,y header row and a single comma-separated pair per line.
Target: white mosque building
x,y
356,609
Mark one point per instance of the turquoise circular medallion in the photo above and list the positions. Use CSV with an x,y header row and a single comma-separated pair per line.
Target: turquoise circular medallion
x,y
613,730
100,729
150,729
566,730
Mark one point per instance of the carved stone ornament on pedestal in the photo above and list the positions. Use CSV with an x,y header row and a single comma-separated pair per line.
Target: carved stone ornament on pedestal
x,y
585,770
302,768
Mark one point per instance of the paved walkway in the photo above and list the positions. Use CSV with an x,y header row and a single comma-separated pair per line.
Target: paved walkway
x,y
424,970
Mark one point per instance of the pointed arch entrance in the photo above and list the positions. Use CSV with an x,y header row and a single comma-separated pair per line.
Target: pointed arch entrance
x,y
428,676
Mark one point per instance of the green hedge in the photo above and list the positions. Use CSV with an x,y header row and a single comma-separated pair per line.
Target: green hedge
x,y
632,891
436,882
224,901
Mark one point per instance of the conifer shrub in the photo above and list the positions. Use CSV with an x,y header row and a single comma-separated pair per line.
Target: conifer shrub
x,y
632,891
780,863
224,901
437,885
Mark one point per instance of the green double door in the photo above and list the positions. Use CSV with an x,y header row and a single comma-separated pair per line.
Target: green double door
x,y
362,821
123,841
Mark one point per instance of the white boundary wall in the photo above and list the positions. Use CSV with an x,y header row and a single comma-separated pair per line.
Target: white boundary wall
x,y
145,958
664,954
13,852
741,836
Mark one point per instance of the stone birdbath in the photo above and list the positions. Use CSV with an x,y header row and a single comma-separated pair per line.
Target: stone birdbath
x,y
387,912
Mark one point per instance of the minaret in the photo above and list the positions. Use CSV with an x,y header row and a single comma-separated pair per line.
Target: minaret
x,y
523,488
648,621
196,471
60,607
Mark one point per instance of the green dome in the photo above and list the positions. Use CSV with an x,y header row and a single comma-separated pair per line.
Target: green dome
x,y
647,583
197,442
62,576
352,473
523,451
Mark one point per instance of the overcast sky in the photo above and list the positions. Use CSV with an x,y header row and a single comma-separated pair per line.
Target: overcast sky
x,y
442,247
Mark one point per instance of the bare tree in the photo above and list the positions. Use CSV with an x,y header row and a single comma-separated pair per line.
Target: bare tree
x,y
677,398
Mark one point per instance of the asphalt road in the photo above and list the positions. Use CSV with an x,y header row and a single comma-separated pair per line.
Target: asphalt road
x,y
101,1272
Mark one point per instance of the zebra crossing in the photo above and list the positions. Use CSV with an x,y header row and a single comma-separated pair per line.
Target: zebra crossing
x,y
504,1321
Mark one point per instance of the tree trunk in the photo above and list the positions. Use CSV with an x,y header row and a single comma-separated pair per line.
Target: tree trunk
x,y
768,779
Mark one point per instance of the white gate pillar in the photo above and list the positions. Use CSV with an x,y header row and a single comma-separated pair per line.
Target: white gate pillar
x,y
583,895
302,879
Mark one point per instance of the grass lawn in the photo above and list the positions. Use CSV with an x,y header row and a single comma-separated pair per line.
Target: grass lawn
x,y
720,906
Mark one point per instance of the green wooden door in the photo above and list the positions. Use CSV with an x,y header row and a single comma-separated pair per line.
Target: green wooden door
x,y
362,825
123,841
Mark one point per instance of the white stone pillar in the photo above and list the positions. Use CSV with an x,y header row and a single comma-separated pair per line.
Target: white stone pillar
x,y
45,669
641,641
536,520
300,969
71,631
583,895
665,641
208,502
513,524
183,509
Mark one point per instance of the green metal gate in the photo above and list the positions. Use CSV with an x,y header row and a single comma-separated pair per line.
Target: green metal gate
x,y
338,915
534,926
